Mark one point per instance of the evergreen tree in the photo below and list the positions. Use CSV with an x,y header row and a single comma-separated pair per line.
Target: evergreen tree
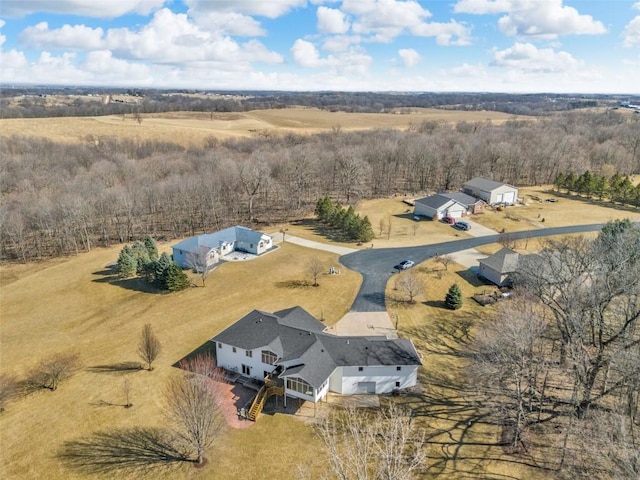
x,y
152,248
559,181
141,255
570,182
453,300
365,230
601,186
160,269
176,279
127,264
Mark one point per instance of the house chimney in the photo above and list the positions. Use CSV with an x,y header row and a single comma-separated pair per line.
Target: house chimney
x,y
347,342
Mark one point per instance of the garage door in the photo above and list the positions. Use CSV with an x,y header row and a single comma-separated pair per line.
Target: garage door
x,y
366,387
454,214
499,198
509,197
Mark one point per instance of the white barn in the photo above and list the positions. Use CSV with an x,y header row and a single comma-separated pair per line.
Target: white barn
x,y
291,345
490,191
218,244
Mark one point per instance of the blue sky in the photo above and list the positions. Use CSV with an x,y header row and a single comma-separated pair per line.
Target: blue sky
x,y
356,45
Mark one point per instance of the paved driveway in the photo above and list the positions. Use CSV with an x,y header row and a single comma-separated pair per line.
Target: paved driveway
x,y
376,265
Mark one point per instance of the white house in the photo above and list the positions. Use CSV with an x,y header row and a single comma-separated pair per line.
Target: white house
x,y
490,191
499,267
438,206
218,244
292,346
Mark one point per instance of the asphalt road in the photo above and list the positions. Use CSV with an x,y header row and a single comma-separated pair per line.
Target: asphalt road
x,y
376,264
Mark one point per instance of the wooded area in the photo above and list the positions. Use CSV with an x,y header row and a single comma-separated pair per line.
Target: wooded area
x,y
61,199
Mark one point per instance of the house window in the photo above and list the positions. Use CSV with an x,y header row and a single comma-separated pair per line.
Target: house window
x,y
398,368
219,345
397,384
234,349
300,386
246,370
360,369
249,353
268,357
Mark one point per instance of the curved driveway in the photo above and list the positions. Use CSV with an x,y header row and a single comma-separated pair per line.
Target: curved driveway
x,y
376,265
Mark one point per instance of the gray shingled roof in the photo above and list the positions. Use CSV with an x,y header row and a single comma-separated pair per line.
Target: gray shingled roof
x,y
435,201
462,198
503,261
484,184
294,335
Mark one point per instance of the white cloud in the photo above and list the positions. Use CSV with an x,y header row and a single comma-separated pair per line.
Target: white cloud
x,y
68,36
354,62
340,43
631,33
535,18
452,33
527,57
88,8
264,8
466,70
409,56
306,54
636,6
384,19
331,20
173,38
483,7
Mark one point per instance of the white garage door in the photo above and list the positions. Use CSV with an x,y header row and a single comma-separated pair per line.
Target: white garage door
x,y
509,197
499,198
366,387
453,213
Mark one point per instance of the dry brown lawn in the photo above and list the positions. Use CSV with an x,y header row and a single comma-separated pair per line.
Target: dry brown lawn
x,y
568,210
70,305
194,128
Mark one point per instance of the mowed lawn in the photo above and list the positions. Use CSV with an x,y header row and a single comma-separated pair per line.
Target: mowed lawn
x,y
71,305
194,128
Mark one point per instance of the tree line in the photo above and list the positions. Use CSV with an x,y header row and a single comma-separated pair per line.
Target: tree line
x,y
347,221
617,188
566,351
60,199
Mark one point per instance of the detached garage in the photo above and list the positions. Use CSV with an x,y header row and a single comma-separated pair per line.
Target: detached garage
x,y
490,191
439,206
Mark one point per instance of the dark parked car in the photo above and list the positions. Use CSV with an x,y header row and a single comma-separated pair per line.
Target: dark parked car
x,y
462,226
448,220
403,265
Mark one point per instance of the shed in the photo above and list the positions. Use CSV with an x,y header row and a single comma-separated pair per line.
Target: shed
x,y
490,191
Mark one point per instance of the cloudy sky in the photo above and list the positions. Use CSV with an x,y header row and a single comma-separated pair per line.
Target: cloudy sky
x,y
381,45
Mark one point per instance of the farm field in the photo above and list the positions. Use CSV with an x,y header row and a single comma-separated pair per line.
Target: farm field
x,y
194,128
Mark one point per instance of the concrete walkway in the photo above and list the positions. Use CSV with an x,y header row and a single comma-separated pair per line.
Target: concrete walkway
x,y
364,324
303,242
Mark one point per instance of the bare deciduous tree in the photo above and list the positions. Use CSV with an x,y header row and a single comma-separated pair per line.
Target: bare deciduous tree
x,y
361,445
444,260
201,263
411,285
126,391
511,367
53,370
149,346
315,269
193,408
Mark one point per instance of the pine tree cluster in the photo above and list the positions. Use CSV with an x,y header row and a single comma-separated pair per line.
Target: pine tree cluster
x,y
616,188
351,224
159,270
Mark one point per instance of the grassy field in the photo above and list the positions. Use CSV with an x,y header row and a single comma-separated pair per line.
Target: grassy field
x,y
194,128
71,305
